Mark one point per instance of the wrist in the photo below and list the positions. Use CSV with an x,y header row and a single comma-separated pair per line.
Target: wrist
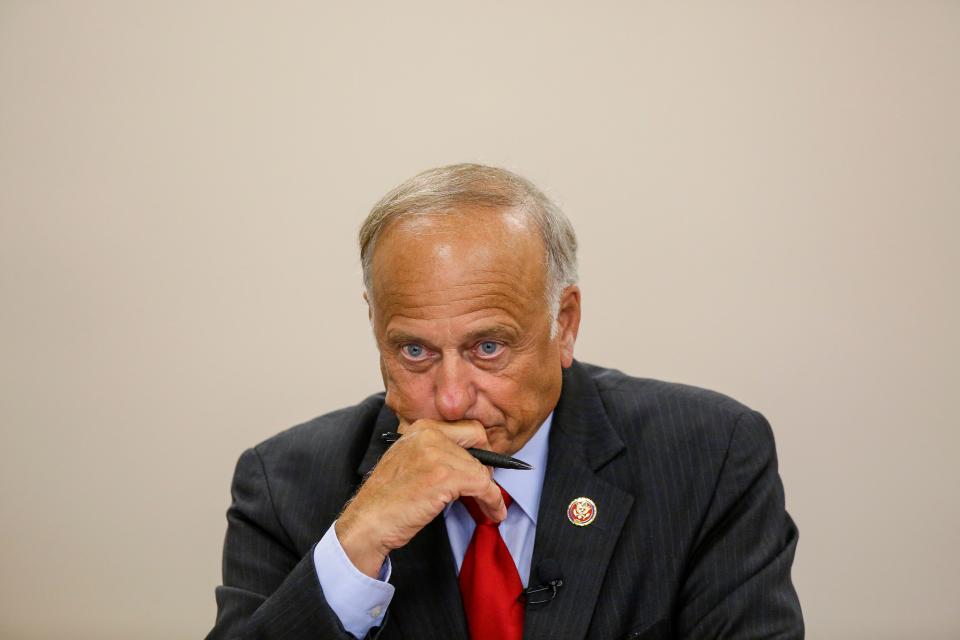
x,y
358,540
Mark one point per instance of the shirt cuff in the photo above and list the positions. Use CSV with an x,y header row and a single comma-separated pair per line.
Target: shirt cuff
x,y
358,600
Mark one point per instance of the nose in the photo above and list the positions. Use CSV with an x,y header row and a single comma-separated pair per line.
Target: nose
x,y
454,391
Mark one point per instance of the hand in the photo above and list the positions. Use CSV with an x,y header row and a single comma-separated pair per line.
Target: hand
x,y
419,475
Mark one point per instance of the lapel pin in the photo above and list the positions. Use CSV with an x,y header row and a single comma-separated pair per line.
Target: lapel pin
x,y
582,511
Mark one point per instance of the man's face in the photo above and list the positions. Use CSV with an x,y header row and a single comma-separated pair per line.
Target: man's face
x,y
461,321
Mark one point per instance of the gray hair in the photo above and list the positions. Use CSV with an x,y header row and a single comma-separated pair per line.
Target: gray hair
x,y
442,190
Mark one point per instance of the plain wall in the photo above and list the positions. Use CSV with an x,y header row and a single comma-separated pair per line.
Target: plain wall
x,y
766,196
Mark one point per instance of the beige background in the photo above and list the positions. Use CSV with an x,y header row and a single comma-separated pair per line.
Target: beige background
x,y
766,196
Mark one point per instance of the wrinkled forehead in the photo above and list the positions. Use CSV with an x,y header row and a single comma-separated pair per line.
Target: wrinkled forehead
x,y
461,261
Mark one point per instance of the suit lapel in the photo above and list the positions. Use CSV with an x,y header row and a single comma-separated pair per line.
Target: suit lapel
x,y
427,601
386,421
581,442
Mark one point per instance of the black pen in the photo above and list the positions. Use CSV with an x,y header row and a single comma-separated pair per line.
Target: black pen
x,y
489,458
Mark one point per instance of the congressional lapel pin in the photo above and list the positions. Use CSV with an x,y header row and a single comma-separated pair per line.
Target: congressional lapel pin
x,y
582,511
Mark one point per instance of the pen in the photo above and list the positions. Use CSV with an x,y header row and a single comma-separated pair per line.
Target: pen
x,y
488,458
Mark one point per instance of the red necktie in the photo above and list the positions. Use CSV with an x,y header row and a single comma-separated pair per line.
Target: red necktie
x,y
489,582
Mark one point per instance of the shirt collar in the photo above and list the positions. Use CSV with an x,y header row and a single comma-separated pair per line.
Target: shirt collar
x,y
525,486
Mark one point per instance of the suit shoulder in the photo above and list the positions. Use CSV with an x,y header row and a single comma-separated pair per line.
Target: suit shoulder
x,y
343,434
645,391
662,406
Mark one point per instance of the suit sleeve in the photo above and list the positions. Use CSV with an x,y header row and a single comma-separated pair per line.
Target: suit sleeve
x,y
269,590
738,584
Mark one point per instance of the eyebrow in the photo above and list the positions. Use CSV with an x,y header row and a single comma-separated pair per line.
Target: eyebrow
x,y
395,336
499,333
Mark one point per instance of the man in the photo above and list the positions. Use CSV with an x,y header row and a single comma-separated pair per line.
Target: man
x,y
653,510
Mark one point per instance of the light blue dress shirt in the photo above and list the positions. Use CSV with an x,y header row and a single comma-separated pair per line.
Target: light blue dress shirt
x,y
361,602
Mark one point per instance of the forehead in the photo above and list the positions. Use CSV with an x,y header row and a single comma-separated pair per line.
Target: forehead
x,y
470,264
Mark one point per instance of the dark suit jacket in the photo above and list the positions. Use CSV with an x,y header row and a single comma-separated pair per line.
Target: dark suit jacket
x,y
691,539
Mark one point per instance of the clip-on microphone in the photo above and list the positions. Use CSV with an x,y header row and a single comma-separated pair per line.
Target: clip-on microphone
x,y
551,578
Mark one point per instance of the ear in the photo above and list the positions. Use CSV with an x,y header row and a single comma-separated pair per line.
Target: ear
x,y
369,307
568,322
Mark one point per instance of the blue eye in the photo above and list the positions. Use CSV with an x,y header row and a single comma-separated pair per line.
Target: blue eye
x,y
489,348
414,351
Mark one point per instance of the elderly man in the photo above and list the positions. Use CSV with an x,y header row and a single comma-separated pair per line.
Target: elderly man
x,y
653,510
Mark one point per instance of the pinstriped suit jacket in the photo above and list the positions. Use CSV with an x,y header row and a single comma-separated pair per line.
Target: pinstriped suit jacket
x,y
691,539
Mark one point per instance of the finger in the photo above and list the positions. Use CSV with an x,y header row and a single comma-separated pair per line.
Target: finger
x,y
463,474
434,447
490,500
465,433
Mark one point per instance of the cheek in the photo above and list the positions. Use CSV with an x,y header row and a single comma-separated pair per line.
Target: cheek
x,y
522,393
507,394
407,392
